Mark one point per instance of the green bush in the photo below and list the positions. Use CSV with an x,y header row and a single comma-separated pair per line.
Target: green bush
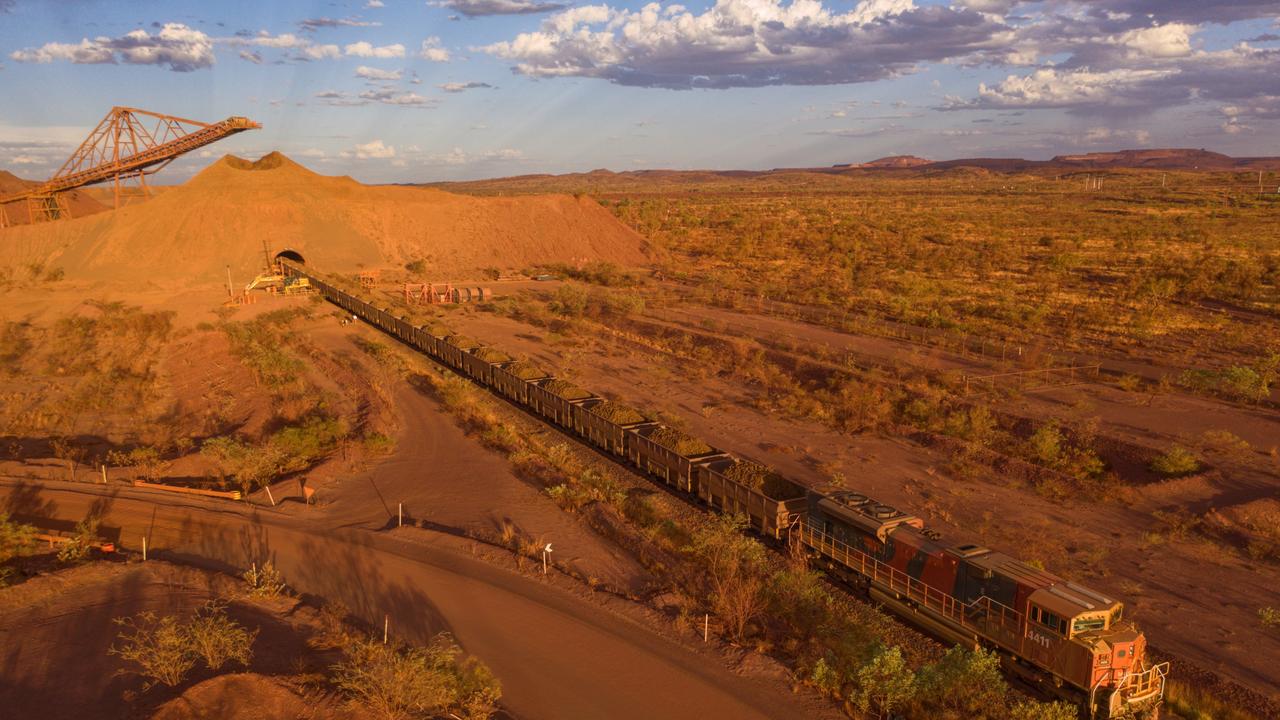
x,y
885,684
1176,461
15,537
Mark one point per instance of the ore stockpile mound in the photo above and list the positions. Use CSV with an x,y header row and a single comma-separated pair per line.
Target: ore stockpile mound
x,y
225,215
79,202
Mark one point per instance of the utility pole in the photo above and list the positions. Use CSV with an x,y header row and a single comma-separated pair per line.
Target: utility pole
x,y
230,292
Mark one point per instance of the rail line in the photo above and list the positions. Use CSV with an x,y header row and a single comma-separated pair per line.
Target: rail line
x,y
1065,639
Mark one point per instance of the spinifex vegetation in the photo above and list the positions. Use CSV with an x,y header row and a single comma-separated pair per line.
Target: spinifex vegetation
x,y
1021,257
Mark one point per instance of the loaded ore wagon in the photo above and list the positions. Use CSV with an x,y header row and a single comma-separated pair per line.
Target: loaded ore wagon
x,y
669,454
769,501
454,350
554,398
605,423
478,364
512,380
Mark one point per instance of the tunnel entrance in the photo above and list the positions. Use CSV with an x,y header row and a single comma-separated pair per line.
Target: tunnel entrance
x,y
290,255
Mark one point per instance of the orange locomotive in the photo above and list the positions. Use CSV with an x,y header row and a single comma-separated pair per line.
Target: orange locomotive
x,y
1061,636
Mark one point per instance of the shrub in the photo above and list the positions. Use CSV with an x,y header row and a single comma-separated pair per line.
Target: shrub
x,y
967,682
885,684
1031,710
264,582
1269,617
1176,461
82,538
396,682
15,537
570,301
217,639
165,649
159,646
1046,444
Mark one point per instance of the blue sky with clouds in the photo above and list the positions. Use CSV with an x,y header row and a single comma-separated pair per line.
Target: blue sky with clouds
x,y
399,90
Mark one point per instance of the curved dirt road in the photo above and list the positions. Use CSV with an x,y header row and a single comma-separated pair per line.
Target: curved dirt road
x,y
557,656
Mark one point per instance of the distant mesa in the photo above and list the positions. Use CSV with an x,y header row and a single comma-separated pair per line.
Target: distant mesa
x,y
1171,158
891,162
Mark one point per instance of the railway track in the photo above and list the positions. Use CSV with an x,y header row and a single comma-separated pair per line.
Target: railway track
x,y
1065,639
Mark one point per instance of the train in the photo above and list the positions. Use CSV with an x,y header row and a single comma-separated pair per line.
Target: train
x,y
1069,640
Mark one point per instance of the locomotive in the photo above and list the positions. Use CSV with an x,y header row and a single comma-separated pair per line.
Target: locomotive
x,y
1069,640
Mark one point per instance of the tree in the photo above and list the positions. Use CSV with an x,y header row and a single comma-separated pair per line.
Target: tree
x,y
735,576
967,683
885,684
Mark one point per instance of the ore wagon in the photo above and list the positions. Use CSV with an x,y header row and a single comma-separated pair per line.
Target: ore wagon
x,y
668,454
605,423
554,399
769,501
512,380
479,362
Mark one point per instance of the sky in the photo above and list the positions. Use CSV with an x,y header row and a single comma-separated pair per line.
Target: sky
x,y
419,91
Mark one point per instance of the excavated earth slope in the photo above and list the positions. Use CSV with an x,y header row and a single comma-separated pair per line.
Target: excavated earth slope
x,y
226,214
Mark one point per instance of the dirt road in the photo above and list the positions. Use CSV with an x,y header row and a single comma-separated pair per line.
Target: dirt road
x,y
556,654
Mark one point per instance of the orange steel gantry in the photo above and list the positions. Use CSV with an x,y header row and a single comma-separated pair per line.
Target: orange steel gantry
x,y
120,149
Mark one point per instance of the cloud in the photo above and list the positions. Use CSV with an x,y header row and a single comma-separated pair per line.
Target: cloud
x,y
267,40
369,73
26,160
179,47
1097,135
747,43
311,153
457,87
389,96
383,95
374,150
313,24
365,49
458,156
1050,88
1237,75
321,52
479,8
251,56
374,4
432,50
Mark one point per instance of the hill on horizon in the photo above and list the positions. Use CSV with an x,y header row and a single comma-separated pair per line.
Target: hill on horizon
x,y
226,213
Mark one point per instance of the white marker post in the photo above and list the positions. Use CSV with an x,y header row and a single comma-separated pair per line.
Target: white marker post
x,y
386,625
545,551
706,626
400,516
144,548
269,495
104,474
